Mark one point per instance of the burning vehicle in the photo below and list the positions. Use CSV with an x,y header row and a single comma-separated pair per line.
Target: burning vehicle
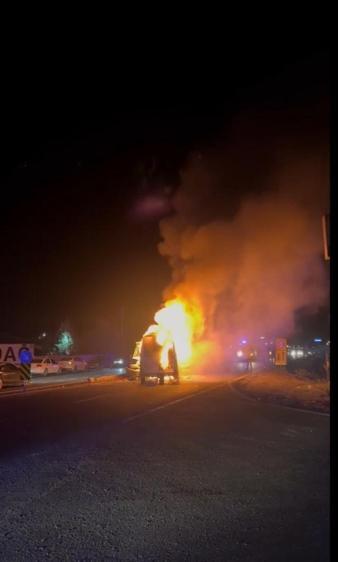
x,y
158,360
166,346
151,360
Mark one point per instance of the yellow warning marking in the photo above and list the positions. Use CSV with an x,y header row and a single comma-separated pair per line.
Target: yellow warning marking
x,y
26,371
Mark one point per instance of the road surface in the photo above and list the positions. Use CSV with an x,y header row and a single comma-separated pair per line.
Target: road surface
x,y
117,471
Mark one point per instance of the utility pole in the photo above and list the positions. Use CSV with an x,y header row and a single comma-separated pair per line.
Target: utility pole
x,y
122,328
326,236
326,244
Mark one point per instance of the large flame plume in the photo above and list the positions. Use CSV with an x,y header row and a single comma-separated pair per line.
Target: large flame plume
x,y
244,240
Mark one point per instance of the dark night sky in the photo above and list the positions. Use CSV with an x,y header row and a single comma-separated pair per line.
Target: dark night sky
x,y
73,163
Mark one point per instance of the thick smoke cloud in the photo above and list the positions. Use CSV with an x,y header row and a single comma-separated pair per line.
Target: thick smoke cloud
x,y
244,242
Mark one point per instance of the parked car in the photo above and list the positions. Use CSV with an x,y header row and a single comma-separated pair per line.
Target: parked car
x,y
45,366
10,375
71,363
94,363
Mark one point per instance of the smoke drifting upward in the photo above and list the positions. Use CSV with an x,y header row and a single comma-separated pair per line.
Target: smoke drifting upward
x,y
244,242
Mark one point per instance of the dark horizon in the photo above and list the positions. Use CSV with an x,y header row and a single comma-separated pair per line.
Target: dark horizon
x,y
73,246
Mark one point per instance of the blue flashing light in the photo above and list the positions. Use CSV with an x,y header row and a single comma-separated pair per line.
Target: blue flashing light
x,y
25,356
244,341
318,340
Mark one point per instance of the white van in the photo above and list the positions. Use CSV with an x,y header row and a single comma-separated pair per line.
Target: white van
x,y
146,362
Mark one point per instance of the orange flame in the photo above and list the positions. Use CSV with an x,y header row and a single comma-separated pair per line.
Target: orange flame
x,y
178,323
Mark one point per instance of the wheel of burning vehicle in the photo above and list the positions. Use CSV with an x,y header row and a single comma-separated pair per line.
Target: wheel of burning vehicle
x,y
161,377
142,379
176,380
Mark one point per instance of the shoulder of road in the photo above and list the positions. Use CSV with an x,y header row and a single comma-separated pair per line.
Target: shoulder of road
x,y
285,389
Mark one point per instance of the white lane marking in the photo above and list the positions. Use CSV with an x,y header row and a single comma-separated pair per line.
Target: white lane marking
x,y
266,403
172,403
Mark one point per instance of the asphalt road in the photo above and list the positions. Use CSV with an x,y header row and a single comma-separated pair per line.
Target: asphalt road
x,y
117,471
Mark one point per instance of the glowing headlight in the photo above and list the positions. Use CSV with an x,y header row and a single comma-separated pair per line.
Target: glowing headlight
x,y
239,353
118,362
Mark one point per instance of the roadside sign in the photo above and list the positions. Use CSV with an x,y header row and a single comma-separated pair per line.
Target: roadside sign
x,y
281,355
12,353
